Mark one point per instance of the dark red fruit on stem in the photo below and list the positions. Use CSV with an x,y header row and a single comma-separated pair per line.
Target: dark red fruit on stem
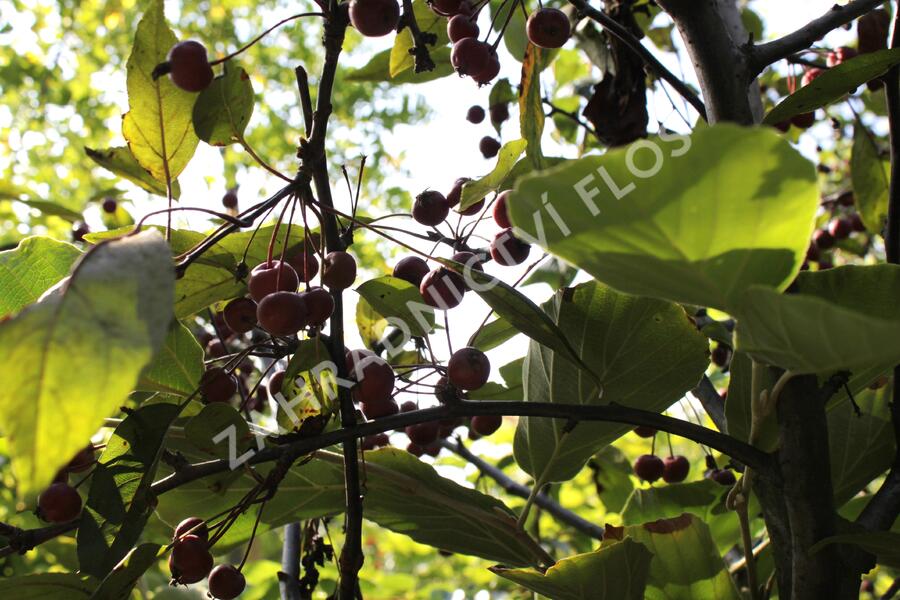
x,y
442,288
411,269
408,406
240,315
485,425
446,8
499,113
226,582
59,503
468,368
475,114
382,408
374,377
215,348
823,239
230,199
840,229
110,205
276,382
374,18
338,270
459,28
282,313
192,526
872,29
471,262
644,431
675,469
723,476
275,276
804,120
217,385
446,392
455,194
471,57
305,264
415,449
548,28
430,208
509,250
490,71
649,467
189,66
423,433
489,146
501,212
190,560
319,305
473,209
79,230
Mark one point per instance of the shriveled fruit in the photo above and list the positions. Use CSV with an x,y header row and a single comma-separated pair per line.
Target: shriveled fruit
x,y
189,66
442,288
59,503
485,425
190,560
423,434
270,277
468,368
446,392
675,469
192,526
430,208
226,582
374,18
489,147
509,250
338,270
501,214
319,305
649,467
240,315
217,385
282,313
411,269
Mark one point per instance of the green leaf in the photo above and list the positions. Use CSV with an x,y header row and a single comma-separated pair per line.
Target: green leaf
x,y
696,219
104,323
400,303
554,273
122,162
885,545
618,570
48,586
833,84
514,36
177,367
378,69
869,176
645,352
531,109
428,22
120,501
837,319
28,270
686,564
158,124
222,111
613,471
216,417
119,584
493,334
370,324
506,159
48,208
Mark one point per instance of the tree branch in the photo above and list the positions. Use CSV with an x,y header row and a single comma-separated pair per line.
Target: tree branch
x,y
763,55
563,515
652,63
289,576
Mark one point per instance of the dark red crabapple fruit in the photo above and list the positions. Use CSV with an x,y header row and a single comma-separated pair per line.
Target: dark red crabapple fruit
x,y
282,313
230,199
840,229
649,467
276,382
468,368
433,449
548,28
190,560
509,250
430,208
59,503
215,348
415,449
455,195
475,114
374,18
79,230
470,262
446,392
374,377
319,305
491,70
804,120
411,269
442,288
217,385
723,476
485,425
408,406
305,264
338,270
644,431
226,582
823,239
461,27
275,276
382,408
423,434
189,66
109,205
377,440
675,469
489,147
240,315
501,212
471,57
192,526
446,8
499,112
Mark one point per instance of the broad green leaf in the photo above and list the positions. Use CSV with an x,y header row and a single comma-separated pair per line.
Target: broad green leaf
x,y
48,208
695,220
885,545
158,124
428,22
531,109
506,160
833,84
378,69
202,286
177,367
618,570
554,273
869,176
119,501
48,586
645,352
203,429
119,584
104,323
400,303
222,110
570,66
28,270
122,162
686,564
493,334
370,324
613,471
514,37
838,319
495,391
310,384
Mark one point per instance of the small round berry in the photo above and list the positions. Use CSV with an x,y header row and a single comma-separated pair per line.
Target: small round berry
x,y
192,526
856,222
338,270
382,408
319,305
446,392
491,70
59,503
411,269
415,449
217,385
190,560
189,66
804,120
489,146
485,425
275,276
499,112
675,469
723,476
374,18
230,199
644,431
471,57
548,28
240,315
282,313
509,250
455,194
79,230
442,288
649,467
430,208
423,434
374,377
460,27
446,8
501,212
110,205
468,368
226,582
475,113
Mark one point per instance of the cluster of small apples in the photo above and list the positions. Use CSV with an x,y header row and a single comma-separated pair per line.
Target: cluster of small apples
x,y
845,222
190,561
60,502
674,468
